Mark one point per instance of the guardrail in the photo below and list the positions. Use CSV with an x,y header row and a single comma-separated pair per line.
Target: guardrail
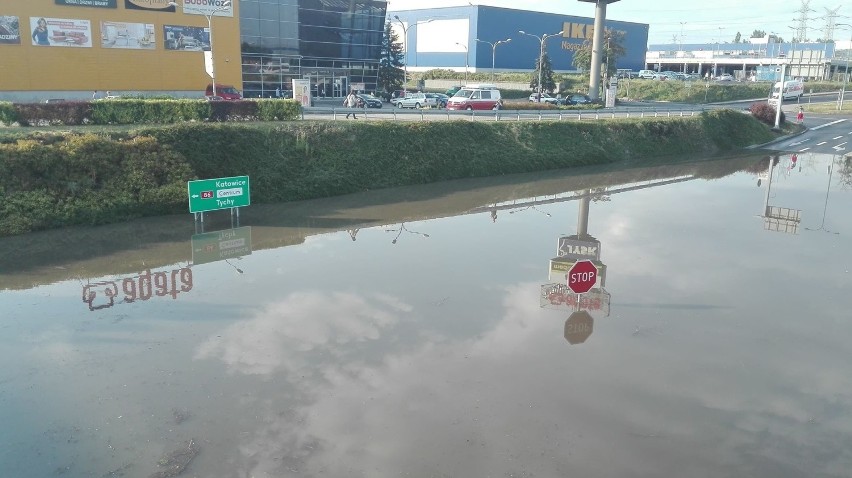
x,y
397,114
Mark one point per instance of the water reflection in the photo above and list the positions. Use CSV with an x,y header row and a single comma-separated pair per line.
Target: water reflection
x,y
780,219
103,294
447,356
825,205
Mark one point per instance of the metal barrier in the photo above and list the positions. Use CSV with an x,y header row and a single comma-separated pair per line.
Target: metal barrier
x,y
426,114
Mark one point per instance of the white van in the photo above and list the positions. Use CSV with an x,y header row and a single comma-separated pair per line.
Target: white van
x,y
646,74
476,97
793,89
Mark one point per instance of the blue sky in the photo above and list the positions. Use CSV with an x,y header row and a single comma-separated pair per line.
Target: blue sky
x,y
702,19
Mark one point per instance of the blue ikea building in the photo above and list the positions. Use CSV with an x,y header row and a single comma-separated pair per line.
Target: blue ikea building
x,y
447,38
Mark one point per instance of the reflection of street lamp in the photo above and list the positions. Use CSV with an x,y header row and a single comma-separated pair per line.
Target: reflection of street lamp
x,y
825,207
209,17
542,39
493,52
466,58
402,228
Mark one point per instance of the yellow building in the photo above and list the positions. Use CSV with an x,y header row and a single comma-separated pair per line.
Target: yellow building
x,y
70,48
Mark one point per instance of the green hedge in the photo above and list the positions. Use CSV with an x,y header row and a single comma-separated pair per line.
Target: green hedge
x,y
50,180
146,111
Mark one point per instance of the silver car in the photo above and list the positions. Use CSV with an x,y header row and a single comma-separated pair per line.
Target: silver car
x,y
412,100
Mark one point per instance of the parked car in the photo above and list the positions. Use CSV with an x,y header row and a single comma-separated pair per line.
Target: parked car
x,y
725,77
545,98
369,101
476,97
624,73
646,74
395,95
227,92
578,99
437,100
412,100
452,91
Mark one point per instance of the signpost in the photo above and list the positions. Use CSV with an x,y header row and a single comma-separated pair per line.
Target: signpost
x,y
579,327
582,277
221,193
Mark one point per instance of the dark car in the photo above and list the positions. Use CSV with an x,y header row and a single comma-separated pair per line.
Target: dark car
x,y
452,91
369,101
439,100
578,99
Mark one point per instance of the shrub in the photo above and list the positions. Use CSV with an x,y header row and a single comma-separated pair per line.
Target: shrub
x,y
8,114
143,111
277,110
765,113
45,114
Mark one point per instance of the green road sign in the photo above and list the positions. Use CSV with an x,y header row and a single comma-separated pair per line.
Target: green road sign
x,y
221,193
221,245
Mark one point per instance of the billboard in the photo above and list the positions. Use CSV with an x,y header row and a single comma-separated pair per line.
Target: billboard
x,y
61,32
10,33
186,38
207,7
156,5
88,3
135,36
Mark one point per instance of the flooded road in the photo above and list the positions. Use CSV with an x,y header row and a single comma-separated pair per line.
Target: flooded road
x,y
427,332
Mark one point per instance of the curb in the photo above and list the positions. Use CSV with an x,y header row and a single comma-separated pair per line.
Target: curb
x,y
778,140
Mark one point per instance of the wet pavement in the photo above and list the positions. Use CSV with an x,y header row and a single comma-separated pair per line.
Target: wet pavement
x,y
429,332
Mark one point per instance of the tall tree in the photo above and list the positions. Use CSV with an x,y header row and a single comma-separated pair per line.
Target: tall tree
x,y
391,74
758,34
547,82
738,38
613,50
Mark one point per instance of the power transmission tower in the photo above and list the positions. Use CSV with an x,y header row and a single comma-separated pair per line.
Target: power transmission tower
x,y
802,27
830,22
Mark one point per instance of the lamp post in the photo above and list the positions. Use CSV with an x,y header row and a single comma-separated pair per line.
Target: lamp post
x,y
542,39
681,46
466,58
209,17
846,72
493,52
404,65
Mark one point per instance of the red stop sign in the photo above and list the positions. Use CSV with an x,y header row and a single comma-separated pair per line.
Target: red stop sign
x,y
579,327
582,277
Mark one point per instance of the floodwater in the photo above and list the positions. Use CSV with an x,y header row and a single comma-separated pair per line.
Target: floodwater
x,y
428,332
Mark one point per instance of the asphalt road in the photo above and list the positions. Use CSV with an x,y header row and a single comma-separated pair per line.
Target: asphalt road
x,y
826,135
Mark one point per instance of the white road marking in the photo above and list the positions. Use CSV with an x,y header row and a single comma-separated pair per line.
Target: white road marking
x,y
803,150
820,144
828,124
837,137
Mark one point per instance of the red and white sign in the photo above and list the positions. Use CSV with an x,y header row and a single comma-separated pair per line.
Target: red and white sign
x,y
582,277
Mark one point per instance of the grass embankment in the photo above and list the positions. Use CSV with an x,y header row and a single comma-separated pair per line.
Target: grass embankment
x,y
694,91
829,108
51,180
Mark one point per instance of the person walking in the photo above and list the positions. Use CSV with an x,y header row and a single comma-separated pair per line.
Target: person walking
x,y
351,101
800,118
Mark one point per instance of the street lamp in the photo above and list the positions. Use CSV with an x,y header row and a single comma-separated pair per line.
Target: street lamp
x,y
209,17
846,72
493,52
405,34
466,58
404,65
542,39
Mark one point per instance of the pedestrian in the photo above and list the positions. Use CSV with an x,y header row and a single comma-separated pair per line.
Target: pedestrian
x,y
278,92
351,101
800,118
95,95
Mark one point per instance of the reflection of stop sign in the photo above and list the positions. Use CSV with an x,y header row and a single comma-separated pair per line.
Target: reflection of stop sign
x,y
582,277
578,327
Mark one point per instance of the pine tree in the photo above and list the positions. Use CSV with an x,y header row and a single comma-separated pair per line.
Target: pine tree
x,y
391,74
546,75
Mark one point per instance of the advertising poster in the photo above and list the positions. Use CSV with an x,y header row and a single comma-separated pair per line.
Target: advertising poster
x,y
207,7
302,91
156,5
61,32
136,36
88,3
184,38
10,33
